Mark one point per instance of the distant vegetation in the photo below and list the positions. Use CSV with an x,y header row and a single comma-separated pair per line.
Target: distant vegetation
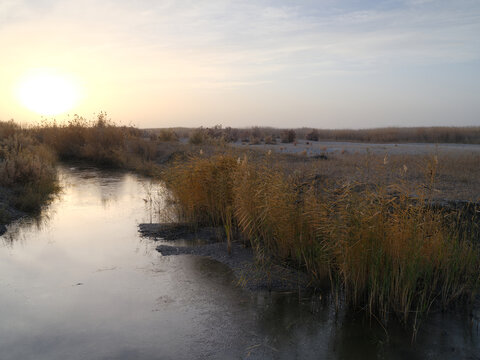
x,y
461,135
256,135
288,136
99,141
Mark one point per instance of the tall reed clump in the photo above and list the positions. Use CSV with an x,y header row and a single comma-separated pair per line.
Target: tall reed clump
x,y
376,246
272,212
26,167
203,190
395,256
101,142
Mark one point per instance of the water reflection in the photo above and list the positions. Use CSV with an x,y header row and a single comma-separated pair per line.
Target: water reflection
x,y
79,283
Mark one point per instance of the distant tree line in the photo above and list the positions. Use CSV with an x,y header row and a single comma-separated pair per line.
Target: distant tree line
x,y
269,135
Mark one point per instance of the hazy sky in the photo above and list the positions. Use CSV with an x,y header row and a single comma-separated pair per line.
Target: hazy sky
x,y
330,64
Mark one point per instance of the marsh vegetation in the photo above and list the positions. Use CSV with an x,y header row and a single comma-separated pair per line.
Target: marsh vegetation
x,y
27,172
366,227
257,134
373,244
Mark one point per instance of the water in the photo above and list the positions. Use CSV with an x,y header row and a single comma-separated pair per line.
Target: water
x,y
79,283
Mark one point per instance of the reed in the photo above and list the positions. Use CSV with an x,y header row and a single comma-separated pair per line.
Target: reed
x,y
26,167
202,187
101,142
397,257
203,191
374,245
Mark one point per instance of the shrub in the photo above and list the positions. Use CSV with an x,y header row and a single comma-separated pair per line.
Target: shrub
x,y
312,135
215,132
254,140
231,135
197,137
270,140
288,136
167,135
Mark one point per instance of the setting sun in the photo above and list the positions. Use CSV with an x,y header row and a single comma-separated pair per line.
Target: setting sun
x,y
47,93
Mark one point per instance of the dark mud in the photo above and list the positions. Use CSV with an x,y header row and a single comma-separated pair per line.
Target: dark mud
x,y
250,273
176,231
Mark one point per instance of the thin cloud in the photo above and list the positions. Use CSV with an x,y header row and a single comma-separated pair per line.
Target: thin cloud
x,y
155,47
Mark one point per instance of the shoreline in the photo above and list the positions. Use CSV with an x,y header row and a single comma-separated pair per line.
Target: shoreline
x,y
250,274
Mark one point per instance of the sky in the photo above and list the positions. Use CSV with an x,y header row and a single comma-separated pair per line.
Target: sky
x,y
324,63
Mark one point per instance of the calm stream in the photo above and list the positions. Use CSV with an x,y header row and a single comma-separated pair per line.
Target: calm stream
x,y
80,283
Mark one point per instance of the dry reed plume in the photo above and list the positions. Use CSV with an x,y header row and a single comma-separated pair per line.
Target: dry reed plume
x,y
376,246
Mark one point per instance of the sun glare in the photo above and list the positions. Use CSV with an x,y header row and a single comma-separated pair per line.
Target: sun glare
x,y
48,93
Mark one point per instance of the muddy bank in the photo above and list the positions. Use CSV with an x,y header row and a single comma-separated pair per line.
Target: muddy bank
x,y
176,231
8,213
249,273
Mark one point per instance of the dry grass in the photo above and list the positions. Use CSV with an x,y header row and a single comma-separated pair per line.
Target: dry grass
x,y
395,256
203,188
457,174
371,243
26,167
101,142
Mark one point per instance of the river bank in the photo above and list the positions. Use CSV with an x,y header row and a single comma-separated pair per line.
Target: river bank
x,y
250,273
